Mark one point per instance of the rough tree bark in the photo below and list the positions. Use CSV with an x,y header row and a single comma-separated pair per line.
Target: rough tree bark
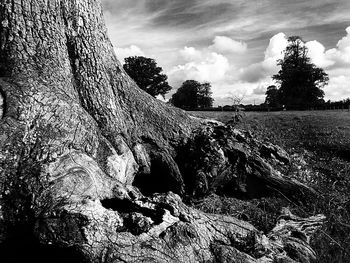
x,y
74,133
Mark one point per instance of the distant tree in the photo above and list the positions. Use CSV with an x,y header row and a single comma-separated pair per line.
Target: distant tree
x,y
301,81
147,75
236,100
204,96
272,97
237,106
186,96
193,95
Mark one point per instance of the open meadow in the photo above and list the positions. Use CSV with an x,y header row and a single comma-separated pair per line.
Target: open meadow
x,y
320,142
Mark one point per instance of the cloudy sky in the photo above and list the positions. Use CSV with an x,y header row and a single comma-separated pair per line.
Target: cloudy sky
x,y
234,44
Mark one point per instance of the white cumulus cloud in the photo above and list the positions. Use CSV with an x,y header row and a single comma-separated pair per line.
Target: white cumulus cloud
x,y
132,50
317,54
268,66
338,87
219,68
341,54
191,54
201,66
276,46
224,44
336,62
338,57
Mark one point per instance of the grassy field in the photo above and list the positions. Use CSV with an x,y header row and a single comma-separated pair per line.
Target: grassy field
x,y
319,141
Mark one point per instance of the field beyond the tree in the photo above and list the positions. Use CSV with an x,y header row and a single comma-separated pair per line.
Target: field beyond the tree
x,y
320,142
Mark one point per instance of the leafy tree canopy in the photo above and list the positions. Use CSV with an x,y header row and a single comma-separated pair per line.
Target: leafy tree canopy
x,y
301,81
147,75
193,95
272,96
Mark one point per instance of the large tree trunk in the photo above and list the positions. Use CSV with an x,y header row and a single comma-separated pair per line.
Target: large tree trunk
x,y
75,132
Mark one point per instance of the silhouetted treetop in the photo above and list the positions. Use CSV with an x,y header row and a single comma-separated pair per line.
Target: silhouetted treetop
x,y
147,75
193,95
300,80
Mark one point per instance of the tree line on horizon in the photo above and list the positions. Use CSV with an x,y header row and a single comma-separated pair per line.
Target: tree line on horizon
x,y
299,82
